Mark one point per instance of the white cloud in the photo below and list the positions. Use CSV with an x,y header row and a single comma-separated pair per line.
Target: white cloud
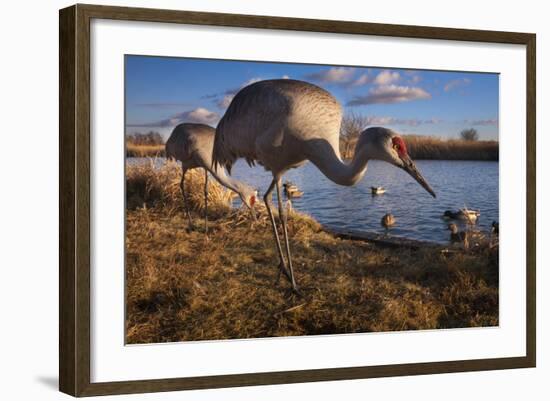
x,y
387,94
362,80
200,115
285,77
341,76
225,101
489,121
334,75
234,91
387,77
455,83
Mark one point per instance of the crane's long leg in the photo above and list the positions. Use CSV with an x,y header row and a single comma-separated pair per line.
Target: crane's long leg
x,y
206,202
282,218
267,200
185,201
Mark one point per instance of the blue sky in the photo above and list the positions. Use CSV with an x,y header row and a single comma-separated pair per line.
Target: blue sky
x,y
162,92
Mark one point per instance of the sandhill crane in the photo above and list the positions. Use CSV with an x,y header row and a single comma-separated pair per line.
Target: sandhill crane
x,y
282,124
192,144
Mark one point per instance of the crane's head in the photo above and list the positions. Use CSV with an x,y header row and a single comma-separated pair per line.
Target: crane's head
x,y
249,196
385,144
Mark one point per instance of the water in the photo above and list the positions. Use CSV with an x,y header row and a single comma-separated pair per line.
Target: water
x,y
418,216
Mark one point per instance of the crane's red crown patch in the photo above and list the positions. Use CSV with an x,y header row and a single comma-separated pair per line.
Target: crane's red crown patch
x,y
399,146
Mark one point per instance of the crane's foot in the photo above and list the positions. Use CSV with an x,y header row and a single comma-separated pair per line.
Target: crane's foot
x,y
296,290
283,270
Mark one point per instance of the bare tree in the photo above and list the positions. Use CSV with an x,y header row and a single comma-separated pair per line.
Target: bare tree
x,y
150,138
469,134
352,126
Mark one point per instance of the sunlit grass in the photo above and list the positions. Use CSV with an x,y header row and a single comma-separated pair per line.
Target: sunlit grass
x,y
423,147
181,286
133,150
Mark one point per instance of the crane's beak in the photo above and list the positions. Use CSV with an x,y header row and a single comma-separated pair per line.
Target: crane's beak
x,y
410,167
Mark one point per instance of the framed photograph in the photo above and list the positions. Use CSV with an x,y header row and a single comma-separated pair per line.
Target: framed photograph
x,y
249,200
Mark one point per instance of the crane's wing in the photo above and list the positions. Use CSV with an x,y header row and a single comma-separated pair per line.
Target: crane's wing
x,y
261,114
187,138
248,122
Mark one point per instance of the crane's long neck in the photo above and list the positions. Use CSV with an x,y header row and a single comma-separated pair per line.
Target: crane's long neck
x,y
327,159
229,182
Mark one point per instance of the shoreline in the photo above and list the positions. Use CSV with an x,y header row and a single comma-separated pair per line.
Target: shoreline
x,y
388,241
419,149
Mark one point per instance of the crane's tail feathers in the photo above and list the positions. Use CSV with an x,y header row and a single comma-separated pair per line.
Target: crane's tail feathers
x,y
221,155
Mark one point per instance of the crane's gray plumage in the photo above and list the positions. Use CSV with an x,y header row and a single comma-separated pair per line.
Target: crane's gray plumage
x,y
192,145
283,123
275,114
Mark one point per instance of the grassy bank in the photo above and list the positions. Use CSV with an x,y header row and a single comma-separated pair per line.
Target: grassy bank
x,y
420,147
133,150
431,148
182,287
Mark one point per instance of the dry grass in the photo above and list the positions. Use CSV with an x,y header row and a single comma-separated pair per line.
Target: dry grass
x,y
431,148
133,150
150,187
181,287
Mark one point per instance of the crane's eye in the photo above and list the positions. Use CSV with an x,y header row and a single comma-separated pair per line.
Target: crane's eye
x,y
399,146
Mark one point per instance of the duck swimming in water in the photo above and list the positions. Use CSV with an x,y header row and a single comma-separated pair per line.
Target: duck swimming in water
x,y
377,190
387,221
294,194
462,214
290,187
291,190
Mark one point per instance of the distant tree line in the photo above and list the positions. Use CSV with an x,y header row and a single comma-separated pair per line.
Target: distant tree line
x,y
151,138
467,147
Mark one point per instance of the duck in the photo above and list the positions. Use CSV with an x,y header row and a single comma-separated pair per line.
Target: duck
x,y
294,194
289,186
462,214
291,190
377,190
387,221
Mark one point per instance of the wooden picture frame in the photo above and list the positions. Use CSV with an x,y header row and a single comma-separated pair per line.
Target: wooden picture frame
x,y
74,204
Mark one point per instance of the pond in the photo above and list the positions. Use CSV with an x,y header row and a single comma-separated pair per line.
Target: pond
x,y
474,184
